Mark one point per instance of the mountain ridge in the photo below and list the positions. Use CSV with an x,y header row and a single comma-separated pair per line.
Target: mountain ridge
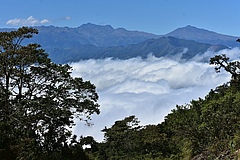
x,y
161,47
202,35
65,44
101,36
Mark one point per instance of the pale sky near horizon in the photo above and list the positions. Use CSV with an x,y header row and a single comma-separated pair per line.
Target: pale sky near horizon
x,y
153,16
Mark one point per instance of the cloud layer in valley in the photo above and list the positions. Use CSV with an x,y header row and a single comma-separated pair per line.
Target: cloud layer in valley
x,y
148,88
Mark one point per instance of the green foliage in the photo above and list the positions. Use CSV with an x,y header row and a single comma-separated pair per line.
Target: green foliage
x,y
120,138
39,101
222,61
207,125
126,139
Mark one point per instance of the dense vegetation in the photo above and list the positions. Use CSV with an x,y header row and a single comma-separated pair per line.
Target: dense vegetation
x,y
39,101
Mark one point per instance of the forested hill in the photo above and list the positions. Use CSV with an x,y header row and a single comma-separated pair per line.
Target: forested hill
x,y
88,41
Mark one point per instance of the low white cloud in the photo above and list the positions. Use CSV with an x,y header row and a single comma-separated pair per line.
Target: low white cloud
x,y
67,18
233,54
30,21
148,88
44,21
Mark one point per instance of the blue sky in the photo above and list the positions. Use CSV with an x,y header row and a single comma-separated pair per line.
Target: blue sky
x,y
154,16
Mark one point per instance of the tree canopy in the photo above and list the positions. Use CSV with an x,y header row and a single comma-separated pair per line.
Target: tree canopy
x,y
39,101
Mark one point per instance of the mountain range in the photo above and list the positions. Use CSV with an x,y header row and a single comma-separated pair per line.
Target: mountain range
x,y
88,41
204,36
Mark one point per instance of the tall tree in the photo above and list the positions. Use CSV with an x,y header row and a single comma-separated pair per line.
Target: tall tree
x,y
39,100
121,139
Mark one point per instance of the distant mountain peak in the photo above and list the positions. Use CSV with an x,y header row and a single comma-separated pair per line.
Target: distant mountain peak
x,y
202,35
190,26
91,25
189,29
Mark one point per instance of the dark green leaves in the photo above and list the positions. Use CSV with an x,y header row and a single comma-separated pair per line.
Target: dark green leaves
x,y
40,100
222,61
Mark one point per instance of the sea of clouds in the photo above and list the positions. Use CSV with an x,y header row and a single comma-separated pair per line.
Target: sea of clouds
x,y
147,88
